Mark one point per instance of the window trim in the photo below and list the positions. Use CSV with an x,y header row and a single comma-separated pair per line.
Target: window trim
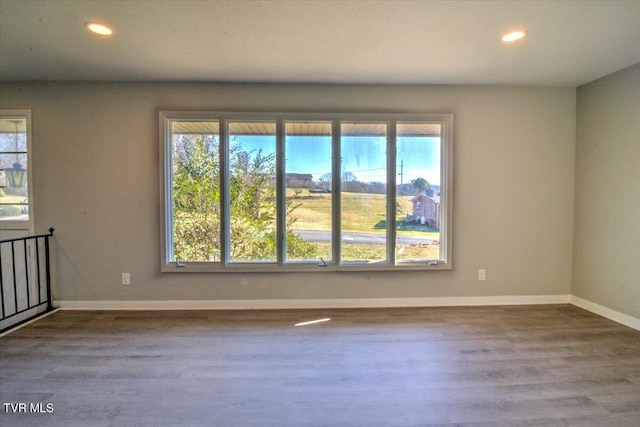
x,y
446,186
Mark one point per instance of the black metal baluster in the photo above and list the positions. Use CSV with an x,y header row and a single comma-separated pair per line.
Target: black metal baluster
x,y
4,313
37,239
26,272
15,282
48,270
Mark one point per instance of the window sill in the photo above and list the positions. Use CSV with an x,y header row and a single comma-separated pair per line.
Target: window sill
x,y
202,267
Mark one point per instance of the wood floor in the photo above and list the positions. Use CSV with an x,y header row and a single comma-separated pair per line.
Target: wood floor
x,y
548,365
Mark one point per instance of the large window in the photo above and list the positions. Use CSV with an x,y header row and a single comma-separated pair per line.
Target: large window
x,y
300,192
14,169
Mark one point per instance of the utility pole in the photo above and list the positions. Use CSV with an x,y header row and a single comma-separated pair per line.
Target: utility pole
x,y
401,177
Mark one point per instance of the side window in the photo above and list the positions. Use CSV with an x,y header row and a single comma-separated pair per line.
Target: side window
x,y
15,185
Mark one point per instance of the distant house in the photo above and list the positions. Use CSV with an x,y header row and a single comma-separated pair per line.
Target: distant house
x,y
426,210
298,180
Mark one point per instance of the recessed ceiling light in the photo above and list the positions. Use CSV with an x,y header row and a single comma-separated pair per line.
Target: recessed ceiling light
x,y
103,30
514,36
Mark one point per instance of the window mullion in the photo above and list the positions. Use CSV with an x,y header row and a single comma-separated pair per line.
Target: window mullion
x,y
168,193
223,147
336,228
281,205
446,181
391,192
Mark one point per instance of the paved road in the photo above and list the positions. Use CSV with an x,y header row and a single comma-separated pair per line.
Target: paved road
x,y
366,238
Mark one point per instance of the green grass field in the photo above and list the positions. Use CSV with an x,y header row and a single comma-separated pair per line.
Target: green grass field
x,y
364,213
364,252
360,213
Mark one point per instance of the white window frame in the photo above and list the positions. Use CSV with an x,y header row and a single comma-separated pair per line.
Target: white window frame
x,y
22,227
446,195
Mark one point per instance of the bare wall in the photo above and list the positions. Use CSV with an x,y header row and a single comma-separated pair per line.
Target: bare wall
x,y
606,267
95,154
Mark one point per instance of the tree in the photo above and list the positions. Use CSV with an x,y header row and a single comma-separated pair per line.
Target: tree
x,y
252,203
196,198
422,185
350,183
325,181
348,177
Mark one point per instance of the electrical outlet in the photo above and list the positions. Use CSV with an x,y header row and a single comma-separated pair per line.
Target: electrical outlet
x,y
482,275
126,279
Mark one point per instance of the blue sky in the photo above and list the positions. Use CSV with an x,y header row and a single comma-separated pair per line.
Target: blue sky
x,y
365,157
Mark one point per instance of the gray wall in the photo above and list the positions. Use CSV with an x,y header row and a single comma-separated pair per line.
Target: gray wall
x,y
606,263
95,154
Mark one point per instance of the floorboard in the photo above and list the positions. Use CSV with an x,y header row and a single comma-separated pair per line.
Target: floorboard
x,y
545,365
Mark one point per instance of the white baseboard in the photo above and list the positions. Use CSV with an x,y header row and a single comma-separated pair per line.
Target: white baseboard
x,y
598,309
603,311
311,303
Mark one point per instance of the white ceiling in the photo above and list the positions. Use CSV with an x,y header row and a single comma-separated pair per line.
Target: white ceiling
x,y
434,42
